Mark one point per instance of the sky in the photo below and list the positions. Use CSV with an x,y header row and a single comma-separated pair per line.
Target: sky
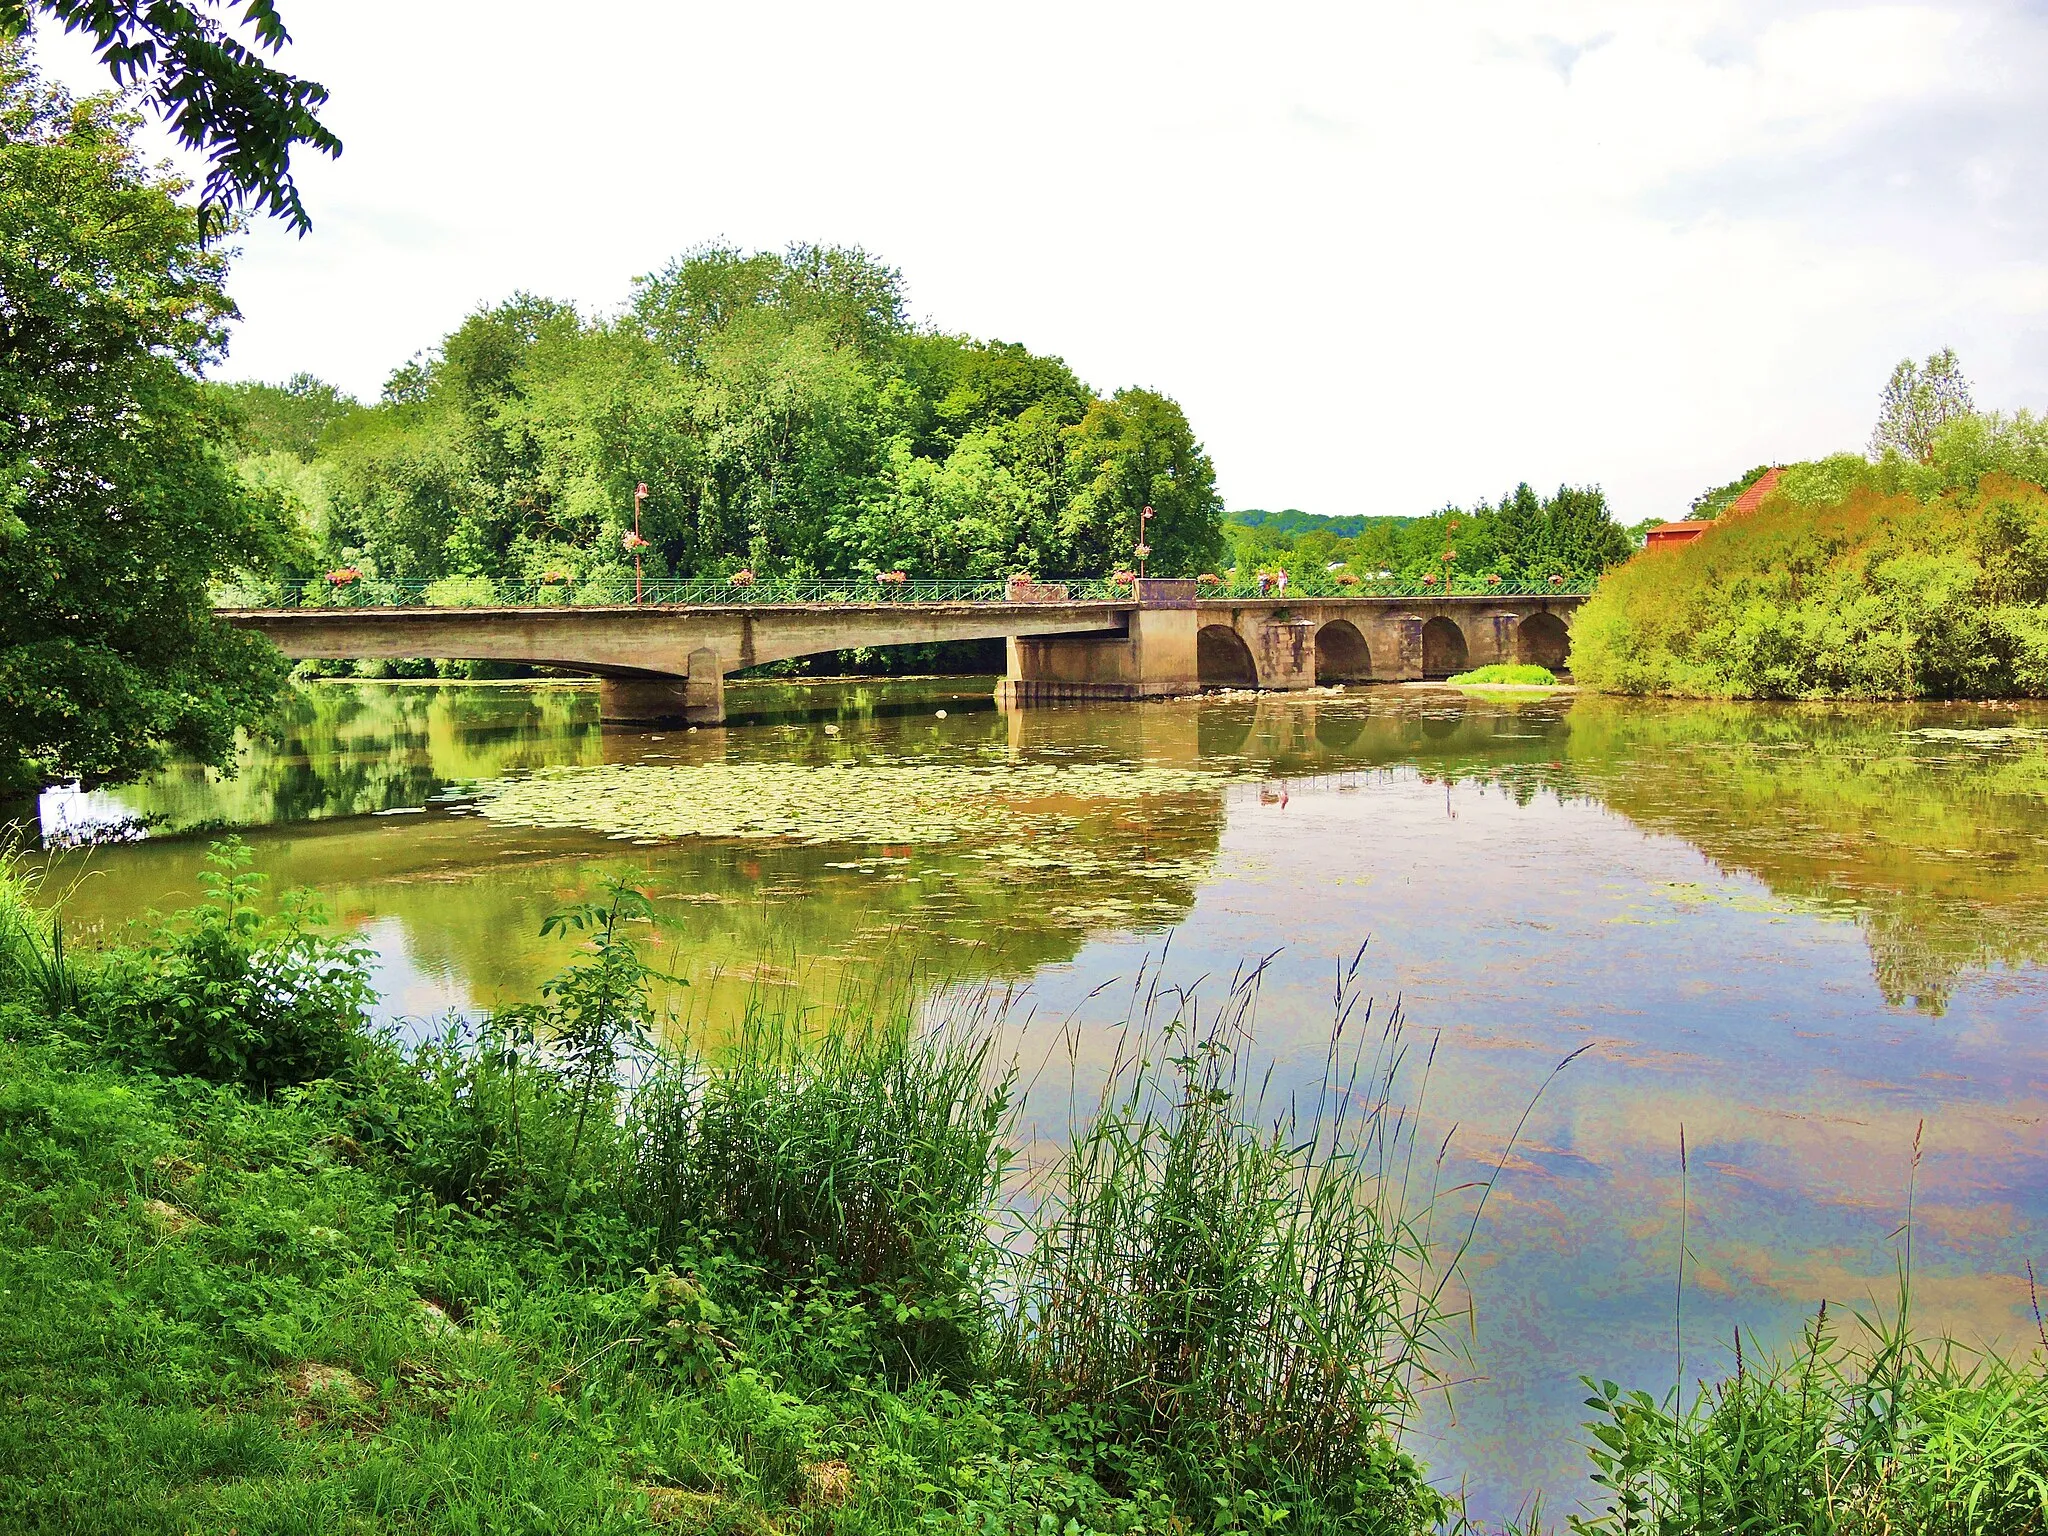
x,y
1386,256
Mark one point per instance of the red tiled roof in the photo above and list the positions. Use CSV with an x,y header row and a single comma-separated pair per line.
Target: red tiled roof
x,y
1753,498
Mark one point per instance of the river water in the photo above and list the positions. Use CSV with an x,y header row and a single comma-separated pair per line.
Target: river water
x,y
1804,935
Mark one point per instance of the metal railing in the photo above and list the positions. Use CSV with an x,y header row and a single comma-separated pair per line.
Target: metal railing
x,y
1324,584
609,590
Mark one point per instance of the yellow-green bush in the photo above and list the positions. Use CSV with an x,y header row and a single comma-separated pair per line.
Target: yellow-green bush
x,y
1892,580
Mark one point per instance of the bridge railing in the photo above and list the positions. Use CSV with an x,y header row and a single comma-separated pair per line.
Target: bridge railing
x,y
1345,584
360,591
508,592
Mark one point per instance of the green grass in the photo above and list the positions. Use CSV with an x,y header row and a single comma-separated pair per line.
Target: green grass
x,y
1517,673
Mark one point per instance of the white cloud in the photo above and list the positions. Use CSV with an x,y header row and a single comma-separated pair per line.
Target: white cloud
x,y
1385,255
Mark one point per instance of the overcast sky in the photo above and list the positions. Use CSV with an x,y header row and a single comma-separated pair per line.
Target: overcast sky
x,y
1385,255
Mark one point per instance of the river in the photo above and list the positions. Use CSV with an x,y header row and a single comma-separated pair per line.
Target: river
x,y
1805,935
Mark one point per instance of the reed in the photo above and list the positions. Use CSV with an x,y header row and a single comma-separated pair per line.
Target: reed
x,y
1248,1290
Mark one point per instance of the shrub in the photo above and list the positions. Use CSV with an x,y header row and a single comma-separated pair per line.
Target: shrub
x,y
226,992
461,592
1514,673
1846,583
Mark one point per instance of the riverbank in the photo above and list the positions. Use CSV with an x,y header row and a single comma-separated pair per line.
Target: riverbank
x,y
266,1271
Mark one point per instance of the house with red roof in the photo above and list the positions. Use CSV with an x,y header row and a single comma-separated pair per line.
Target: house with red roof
x,y
1666,535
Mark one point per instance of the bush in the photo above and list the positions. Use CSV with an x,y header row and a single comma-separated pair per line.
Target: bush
x,y
1893,581
1516,673
231,994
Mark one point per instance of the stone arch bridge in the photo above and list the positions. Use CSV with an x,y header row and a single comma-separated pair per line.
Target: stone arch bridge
x,y
665,663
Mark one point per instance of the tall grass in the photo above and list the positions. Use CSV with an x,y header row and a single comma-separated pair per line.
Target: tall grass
x,y
867,1155
1870,1432
1249,1289
35,968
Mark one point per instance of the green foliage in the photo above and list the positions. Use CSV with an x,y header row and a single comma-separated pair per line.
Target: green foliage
x,y
1519,673
216,93
1898,580
786,419
1886,1434
1246,1297
1523,541
117,502
865,1159
230,993
1918,403
293,417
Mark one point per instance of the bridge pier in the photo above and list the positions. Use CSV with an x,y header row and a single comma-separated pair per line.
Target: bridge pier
x,y
1153,658
698,699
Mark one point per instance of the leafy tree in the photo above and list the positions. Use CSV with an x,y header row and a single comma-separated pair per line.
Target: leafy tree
x,y
785,418
117,502
291,417
1918,403
211,86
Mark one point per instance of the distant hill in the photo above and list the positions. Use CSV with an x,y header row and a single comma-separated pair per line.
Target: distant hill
x,y
1294,521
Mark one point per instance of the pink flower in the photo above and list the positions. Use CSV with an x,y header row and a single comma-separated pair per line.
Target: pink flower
x,y
1429,580
1493,581
633,541
741,578
1142,550
893,578
1557,581
344,576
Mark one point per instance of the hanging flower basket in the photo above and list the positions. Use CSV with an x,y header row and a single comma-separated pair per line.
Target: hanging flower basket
x,y
1450,555
1142,550
1208,579
1122,578
741,578
1493,581
554,578
1557,581
633,541
1347,580
1429,579
343,577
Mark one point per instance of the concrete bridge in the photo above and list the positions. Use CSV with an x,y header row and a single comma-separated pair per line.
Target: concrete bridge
x,y
669,663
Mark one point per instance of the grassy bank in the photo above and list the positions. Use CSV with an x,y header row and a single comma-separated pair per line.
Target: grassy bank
x,y
1894,580
266,1272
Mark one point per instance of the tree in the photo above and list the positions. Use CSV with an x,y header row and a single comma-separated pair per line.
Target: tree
x,y
118,502
1918,403
213,89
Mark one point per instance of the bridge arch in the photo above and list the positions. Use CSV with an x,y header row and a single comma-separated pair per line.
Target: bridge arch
x,y
1222,659
1542,640
1342,655
1443,647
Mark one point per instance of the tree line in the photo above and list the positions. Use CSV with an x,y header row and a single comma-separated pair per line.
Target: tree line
x,y
1523,538
784,415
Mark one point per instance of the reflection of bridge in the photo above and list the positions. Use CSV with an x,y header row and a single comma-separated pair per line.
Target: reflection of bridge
x,y
670,662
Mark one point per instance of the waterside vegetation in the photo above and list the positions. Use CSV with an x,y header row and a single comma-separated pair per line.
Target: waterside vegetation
x,y
1921,574
543,1272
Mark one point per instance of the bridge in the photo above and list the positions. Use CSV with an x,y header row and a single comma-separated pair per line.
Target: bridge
x,y
668,662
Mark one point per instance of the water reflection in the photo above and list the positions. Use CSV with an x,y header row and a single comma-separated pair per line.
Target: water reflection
x,y
1798,932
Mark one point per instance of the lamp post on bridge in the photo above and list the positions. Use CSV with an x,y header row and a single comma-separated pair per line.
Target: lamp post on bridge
x,y
633,541
1144,546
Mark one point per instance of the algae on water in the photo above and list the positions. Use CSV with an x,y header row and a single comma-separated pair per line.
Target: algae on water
x,y
877,801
